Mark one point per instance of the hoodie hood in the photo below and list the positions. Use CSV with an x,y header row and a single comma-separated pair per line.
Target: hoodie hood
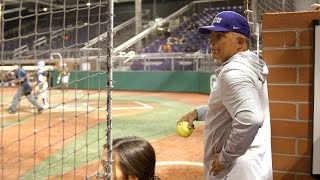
x,y
251,60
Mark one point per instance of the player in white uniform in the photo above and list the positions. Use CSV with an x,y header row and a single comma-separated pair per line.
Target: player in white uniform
x,y
42,84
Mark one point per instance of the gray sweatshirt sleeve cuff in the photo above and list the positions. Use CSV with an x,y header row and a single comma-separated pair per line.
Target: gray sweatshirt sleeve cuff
x,y
202,112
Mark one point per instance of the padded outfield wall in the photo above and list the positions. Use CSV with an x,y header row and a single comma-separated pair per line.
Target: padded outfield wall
x,y
142,81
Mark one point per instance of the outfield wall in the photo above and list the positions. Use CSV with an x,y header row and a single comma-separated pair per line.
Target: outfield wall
x,y
142,81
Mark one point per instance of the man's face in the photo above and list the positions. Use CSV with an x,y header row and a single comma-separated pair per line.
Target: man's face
x,y
223,45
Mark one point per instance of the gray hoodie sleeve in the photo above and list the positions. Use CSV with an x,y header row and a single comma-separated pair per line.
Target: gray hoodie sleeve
x,y
202,112
241,98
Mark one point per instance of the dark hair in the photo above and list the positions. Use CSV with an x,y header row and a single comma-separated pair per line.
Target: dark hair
x,y
136,156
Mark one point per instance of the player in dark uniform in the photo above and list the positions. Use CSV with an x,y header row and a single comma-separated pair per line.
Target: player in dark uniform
x,y
24,90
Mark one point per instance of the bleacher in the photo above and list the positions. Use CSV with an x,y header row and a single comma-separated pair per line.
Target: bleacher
x,y
183,39
188,38
187,32
58,38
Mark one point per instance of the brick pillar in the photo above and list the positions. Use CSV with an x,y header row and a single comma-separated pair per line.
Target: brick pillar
x,y
288,51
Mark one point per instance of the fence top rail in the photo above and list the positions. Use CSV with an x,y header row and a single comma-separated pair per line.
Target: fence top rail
x,y
161,55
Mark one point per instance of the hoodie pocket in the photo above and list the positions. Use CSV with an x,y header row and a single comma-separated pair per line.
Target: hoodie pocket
x,y
223,137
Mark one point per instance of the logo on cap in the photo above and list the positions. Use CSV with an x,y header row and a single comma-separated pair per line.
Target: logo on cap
x,y
232,22
216,20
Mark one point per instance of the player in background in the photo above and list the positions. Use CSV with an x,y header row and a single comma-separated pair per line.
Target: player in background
x,y
42,84
64,76
23,90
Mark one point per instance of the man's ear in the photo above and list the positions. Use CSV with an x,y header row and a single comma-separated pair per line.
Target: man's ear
x,y
133,178
241,42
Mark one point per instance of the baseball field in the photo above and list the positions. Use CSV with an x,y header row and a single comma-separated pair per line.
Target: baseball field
x,y
65,141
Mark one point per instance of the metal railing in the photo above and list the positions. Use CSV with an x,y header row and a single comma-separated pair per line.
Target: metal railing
x,y
165,62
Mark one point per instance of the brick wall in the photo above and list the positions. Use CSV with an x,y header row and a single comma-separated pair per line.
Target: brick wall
x,y
288,51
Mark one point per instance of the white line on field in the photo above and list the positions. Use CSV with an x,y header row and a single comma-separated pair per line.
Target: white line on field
x,y
188,163
128,108
144,105
85,107
9,115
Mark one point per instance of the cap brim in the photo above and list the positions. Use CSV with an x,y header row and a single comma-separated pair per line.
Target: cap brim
x,y
208,29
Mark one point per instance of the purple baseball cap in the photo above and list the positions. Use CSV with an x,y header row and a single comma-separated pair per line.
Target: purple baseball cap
x,y
227,21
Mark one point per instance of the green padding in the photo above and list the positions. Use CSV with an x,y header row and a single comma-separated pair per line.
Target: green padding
x,y
84,80
204,82
143,81
157,81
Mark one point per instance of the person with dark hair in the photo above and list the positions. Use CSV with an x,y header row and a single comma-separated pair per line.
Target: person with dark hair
x,y
133,159
237,135
24,90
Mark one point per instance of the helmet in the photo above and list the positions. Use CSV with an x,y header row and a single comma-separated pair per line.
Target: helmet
x,y
41,64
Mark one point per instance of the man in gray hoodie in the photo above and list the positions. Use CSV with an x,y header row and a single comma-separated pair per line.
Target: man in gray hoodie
x,y
237,137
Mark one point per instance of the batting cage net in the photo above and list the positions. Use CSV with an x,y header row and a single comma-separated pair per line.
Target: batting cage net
x,y
254,9
55,99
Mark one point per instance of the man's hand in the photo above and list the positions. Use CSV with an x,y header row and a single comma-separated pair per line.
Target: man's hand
x,y
216,165
189,117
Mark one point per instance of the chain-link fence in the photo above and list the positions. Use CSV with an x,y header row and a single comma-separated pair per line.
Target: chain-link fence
x,y
65,127
256,8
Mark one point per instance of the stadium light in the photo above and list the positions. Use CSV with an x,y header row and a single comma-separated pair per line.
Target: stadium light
x,y
88,4
45,9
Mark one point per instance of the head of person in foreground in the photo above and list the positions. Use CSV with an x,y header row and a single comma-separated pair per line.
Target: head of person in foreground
x,y
133,159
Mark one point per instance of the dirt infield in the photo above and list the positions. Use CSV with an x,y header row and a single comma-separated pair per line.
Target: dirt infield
x,y
178,157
